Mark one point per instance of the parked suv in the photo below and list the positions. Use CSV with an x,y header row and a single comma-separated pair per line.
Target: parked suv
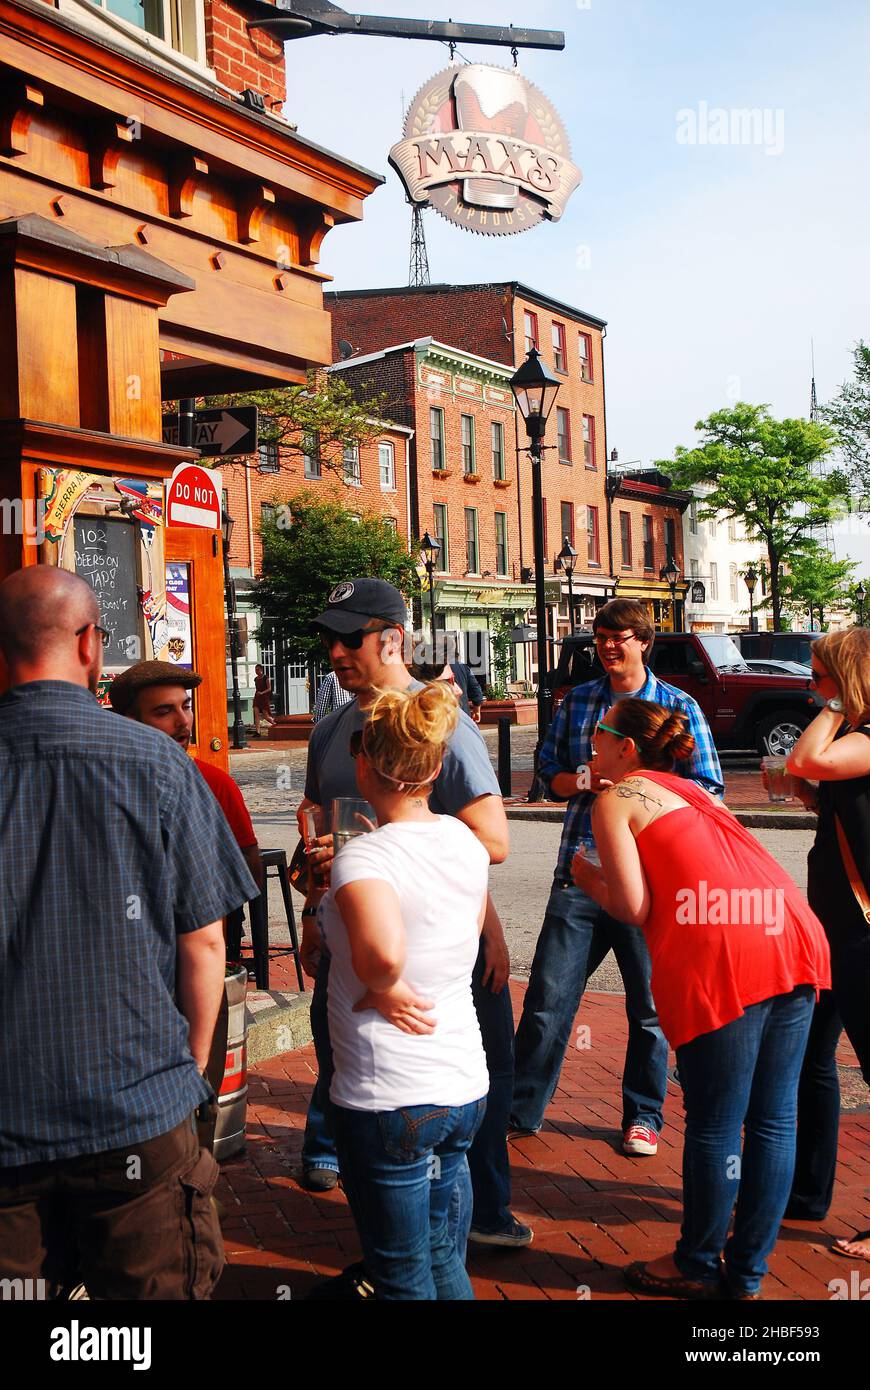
x,y
784,646
744,709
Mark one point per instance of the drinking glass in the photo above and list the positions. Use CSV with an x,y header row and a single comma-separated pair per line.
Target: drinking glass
x,y
351,816
779,783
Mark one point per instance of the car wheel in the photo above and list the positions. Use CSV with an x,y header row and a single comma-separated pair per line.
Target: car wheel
x,y
778,733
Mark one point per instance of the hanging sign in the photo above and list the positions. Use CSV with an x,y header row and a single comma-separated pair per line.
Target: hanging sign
x,y
486,148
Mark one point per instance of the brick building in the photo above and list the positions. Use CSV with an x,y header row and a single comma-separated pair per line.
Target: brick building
x,y
644,532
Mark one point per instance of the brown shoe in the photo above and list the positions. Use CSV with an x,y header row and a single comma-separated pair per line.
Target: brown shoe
x,y
638,1278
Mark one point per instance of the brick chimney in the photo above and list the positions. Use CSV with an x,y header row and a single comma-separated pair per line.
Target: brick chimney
x,y
243,58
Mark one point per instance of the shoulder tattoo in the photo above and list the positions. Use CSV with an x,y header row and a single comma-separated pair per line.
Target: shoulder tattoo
x,y
633,787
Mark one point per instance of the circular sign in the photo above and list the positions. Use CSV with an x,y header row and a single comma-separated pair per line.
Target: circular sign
x,y
192,497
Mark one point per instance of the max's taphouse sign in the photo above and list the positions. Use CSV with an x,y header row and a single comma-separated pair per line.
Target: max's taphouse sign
x,y
487,149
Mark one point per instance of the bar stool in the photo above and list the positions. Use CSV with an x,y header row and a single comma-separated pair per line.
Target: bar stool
x,y
275,859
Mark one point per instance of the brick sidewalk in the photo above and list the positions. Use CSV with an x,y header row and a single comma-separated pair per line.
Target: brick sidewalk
x,y
592,1209
743,792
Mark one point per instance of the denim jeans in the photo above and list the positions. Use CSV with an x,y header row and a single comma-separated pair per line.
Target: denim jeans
x,y
399,1169
574,939
488,1157
741,1077
818,1117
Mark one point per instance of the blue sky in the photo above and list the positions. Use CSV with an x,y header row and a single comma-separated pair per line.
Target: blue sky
x,y
713,264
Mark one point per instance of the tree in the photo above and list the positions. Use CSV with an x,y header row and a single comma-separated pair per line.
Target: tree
x,y
309,546
502,650
763,472
814,581
849,414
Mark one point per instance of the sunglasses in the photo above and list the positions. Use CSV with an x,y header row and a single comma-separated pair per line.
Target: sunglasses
x,y
352,640
608,729
105,636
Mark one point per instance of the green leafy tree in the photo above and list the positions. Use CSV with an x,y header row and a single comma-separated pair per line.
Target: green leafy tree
x,y
849,414
501,657
309,546
814,582
765,472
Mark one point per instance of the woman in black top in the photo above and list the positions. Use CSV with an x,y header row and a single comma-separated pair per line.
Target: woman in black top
x,y
835,752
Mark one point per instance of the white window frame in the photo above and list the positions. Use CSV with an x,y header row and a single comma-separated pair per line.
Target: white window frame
x,y
472,511
714,581
351,464
443,562
469,445
437,412
505,571
498,459
311,463
95,15
387,449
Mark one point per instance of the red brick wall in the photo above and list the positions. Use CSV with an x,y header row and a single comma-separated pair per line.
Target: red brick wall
x,y
476,320
658,510
241,58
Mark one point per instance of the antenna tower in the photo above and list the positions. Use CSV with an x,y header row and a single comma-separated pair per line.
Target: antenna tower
x,y
418,270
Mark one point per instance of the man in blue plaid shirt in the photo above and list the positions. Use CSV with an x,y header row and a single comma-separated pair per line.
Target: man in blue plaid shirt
x,y
577,933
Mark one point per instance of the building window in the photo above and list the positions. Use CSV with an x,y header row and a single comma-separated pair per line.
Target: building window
x,y
732,579
566,510
563,431
693,517
268,514
350,460
625,539
178,23
441,536
392,522
585,341
311,454
498,451
387,466
267,456
560,356
670,539
589,441
647,542
732,529
714,581
469,463
436,437
713,524
472,554
592,536
531,328
693,569
501,543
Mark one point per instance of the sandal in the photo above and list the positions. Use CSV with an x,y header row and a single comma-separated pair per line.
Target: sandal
x,y
637,1277
845,1254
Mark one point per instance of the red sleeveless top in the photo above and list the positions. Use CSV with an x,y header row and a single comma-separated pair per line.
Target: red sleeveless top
x,y
728,927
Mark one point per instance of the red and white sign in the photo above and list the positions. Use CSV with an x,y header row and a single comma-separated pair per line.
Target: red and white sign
x,y
193,497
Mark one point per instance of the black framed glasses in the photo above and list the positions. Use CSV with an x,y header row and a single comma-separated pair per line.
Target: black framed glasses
x,y
602,641
352,640
105,635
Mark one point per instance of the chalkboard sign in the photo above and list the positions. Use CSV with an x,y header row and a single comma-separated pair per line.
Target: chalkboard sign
x,y
106,558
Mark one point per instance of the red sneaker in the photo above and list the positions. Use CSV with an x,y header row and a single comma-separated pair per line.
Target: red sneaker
x,y
640,1140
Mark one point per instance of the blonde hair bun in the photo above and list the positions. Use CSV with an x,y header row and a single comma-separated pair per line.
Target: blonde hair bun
x,y
408,730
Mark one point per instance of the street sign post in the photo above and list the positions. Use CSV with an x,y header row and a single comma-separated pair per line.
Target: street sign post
x,y
219,431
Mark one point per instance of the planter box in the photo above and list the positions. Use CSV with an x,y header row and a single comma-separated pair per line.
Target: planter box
x,y
290,728
517,711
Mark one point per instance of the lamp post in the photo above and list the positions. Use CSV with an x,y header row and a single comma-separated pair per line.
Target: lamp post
x,y
535,389
860,595
671,574
750,579
430,549
567,558
239,740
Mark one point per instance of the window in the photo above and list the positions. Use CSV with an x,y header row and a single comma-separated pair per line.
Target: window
x,y
267,456
732,580
714,581
647,542
585,341
472,555
625,538
713,525
268,514
560,356
436,437
387,466
732,529
501,543
531,327
469,463
589,441
392,522
693,569
670,539
567,518
592,535
178,23
350,459
498,451
693,517
311,454
563,430
440,513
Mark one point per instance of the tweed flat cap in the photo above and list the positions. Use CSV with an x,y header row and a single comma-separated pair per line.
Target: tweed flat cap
x,y
126,686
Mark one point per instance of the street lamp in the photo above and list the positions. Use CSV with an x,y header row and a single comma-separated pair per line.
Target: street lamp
x,y
239,740
430,549
860,595
567,558
535,390
671,574
750,579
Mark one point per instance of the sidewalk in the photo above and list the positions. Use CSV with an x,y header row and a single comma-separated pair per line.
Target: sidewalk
x,y
593,1210
743,792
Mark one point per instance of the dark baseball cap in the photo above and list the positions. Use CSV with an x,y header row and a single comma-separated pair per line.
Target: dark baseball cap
x,y
126,686
355,602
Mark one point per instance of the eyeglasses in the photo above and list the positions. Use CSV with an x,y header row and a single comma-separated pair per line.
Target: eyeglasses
x,y
352,640
105,636
608,729
601,641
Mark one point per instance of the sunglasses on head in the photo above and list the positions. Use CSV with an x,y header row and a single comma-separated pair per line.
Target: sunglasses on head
x,y
352,640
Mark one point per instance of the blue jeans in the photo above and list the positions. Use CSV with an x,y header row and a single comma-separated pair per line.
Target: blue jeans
x,y
743,1076
488,1157
574,939
818,1117
399,1169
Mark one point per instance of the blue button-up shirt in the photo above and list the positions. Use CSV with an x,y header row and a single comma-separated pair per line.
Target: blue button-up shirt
x,y
111,845
568,746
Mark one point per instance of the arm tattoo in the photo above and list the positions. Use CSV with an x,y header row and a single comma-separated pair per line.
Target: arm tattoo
x,y
633,787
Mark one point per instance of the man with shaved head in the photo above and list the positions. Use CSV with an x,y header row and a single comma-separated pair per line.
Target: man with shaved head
x,y
117,867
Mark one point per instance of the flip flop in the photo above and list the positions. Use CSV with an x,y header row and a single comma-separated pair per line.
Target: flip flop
x,y
637,1277
845,1254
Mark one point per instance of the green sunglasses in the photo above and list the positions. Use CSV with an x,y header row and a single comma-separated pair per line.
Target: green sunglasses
x,y
608,729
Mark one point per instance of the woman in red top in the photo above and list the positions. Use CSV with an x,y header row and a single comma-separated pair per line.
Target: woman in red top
x,y
738,959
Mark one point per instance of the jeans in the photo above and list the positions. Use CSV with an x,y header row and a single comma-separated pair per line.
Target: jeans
x,y
574,939
743,1076
399,1169
818,1117
488,1157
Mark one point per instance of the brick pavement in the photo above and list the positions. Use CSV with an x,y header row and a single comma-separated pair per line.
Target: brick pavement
x,y
593,1210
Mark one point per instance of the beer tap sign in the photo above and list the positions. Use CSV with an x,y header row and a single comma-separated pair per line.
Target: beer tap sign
x,y
487,149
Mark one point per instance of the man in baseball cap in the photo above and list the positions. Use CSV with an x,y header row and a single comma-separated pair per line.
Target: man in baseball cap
x,y
354,604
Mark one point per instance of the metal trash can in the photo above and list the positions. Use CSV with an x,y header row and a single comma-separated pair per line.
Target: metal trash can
x,y
229,1137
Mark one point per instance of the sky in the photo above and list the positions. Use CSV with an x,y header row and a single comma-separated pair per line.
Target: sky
x,y
714,264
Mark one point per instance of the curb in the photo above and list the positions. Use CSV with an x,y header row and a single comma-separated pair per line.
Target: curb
x,y
277,1022
753,820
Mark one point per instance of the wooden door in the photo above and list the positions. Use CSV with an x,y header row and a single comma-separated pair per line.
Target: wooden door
x,y
194,558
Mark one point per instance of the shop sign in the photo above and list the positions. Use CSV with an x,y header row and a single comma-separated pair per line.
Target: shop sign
x,y
487,150
699,593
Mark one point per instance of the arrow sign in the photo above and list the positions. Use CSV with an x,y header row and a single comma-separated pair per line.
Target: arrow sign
x,y
219,431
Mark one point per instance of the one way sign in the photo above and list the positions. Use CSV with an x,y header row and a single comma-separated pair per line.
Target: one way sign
x,y
218,432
